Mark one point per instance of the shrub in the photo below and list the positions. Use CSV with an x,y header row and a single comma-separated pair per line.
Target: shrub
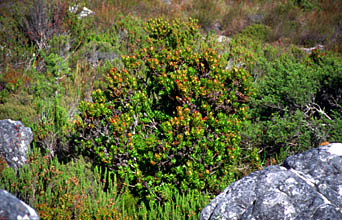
x,y
296,101
95,52
257,32
59,45
286,84
56,65
42,20
53,102
306,5
15,49
336,128
282,134
170,118
329,71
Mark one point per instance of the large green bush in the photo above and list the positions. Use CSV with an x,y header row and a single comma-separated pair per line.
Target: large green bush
x,y
171,117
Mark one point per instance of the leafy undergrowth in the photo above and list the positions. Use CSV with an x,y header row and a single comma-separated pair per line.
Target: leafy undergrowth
x,y
78,190
138,118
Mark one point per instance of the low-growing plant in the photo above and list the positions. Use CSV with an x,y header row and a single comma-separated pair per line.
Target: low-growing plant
x,y
256,31
170,119
59,45
329,75
56,65
19,107
77,190
306,5
53,103
61,191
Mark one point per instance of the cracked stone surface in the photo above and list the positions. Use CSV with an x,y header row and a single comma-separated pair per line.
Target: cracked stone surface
x,y
15,141
306,186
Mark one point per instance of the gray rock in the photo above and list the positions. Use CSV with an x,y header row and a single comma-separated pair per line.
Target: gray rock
x,y
306,186
81,13
13,208
15,140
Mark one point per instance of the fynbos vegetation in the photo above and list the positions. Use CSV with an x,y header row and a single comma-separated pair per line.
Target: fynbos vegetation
x,y
139,112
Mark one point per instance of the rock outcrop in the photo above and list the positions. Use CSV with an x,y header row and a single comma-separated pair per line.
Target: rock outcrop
x,y
81,12
13,208
306,186
15,141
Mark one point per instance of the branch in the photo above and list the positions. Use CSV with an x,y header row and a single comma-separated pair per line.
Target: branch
x,y
317,108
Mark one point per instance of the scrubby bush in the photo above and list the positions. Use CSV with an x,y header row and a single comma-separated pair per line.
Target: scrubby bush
x,y
329,76
296,96
170,118
15,49
256,31
285,84
306,5
42,20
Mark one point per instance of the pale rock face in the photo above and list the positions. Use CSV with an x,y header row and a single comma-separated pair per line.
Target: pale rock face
x,y
305,186
84,12
15,141
335,148
13,208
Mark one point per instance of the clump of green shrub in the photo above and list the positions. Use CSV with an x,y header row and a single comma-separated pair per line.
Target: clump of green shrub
x,y
306,5
170,118
255,31
296,96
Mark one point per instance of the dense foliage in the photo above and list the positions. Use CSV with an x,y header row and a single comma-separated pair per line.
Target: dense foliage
x,y
171,117
298,97
151,118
